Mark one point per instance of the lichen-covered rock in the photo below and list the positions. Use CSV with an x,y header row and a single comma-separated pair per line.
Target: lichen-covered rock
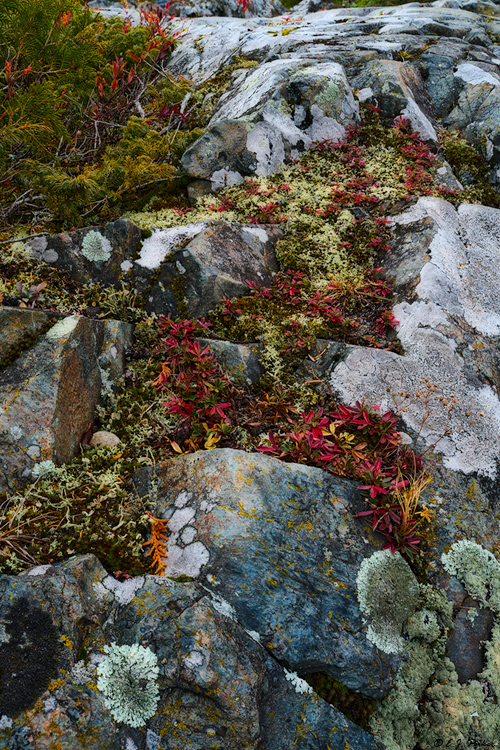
x,y
453,280
92,254
217,262
241,361
277,548
208,679
443,266
194,8
271,114
48,396
117,338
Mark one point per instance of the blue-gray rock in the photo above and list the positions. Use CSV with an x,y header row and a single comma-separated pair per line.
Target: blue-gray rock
x,y
277,547
218,687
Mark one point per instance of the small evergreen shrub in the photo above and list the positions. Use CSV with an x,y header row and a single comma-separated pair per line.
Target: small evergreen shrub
x,y
89,120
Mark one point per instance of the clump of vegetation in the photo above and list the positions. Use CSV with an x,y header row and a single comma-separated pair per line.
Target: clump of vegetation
x,y
90,120
81,507
428,706
470,168
332,204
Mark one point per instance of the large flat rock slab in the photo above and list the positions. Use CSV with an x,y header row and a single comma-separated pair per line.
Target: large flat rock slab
x,y
277,548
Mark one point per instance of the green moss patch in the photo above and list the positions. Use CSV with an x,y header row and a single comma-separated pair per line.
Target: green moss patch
x,y
356,707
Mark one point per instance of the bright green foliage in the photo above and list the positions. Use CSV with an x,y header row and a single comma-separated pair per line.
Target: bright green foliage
x,y
71,138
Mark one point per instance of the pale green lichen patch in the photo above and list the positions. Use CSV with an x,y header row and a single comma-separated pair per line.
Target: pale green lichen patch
x,y
477,569
388,595
96,247
428,707
63,328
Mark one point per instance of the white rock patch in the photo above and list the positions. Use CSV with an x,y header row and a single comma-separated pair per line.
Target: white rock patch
x,y
460,280
162,242
474,75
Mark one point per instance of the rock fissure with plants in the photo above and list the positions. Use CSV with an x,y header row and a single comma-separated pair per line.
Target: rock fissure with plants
x,y
249,375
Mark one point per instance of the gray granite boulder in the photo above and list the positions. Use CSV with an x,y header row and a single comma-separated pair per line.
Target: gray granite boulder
x,y
277,548
217,262
217,686
50,386
269,116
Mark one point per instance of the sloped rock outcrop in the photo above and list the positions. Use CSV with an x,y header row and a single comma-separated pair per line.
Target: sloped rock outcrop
x,y
216,263
276,545
419,62
188,268
50,389
217,682
267,577
269,116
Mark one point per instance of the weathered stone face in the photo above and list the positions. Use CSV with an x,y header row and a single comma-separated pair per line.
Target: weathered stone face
x,y
275,544
269,116
217,262
457,276
93,254
49,391
217,682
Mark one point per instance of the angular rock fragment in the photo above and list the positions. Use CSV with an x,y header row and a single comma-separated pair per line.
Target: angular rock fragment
x,y
48,392
241,361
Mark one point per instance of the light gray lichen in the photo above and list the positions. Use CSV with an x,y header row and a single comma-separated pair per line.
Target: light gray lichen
x,y
127,678
44,468
428,706
388,595
477,569
95,247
